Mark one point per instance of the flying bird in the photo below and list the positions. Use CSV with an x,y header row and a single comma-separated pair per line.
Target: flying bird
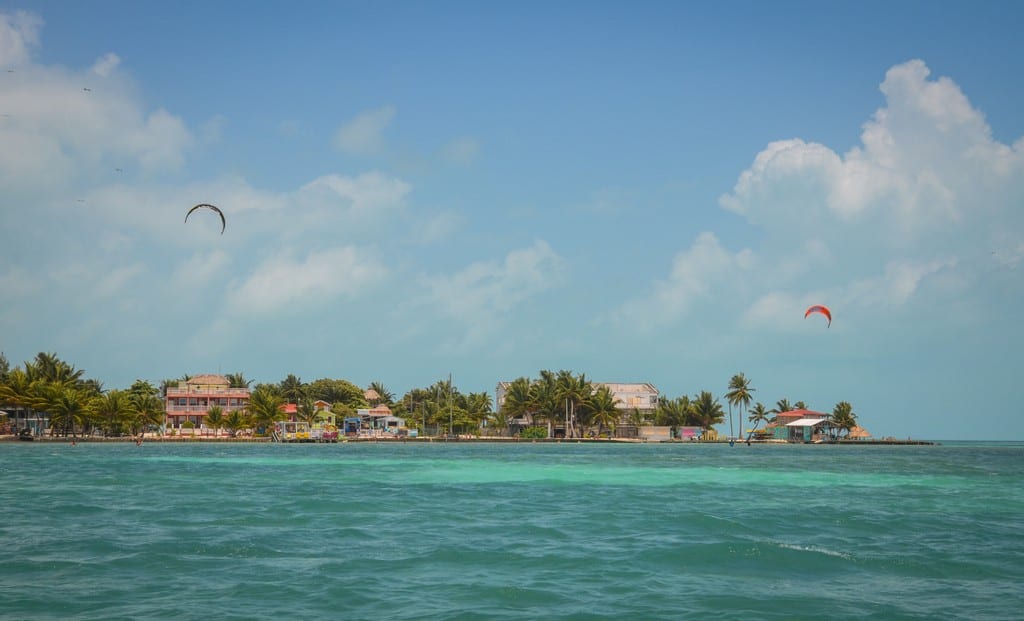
x,y
223,222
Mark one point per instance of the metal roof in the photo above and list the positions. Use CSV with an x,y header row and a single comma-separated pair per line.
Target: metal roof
x,y
807,422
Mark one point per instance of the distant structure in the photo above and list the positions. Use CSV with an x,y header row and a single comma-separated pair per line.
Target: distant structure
x,y
190,399
629,397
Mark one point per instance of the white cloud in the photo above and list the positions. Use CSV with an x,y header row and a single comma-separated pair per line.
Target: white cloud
x,y
363,135
19,36
483,294
63,127
696,274
106,64
283,282
367,193
927,161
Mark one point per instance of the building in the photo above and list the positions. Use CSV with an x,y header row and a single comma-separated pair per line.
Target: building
x,y
641,397
190,400
799,426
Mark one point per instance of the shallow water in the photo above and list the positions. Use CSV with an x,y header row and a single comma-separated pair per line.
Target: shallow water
x,y
524,531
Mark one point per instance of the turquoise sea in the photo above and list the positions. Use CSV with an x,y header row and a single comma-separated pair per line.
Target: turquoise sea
x,y
522,531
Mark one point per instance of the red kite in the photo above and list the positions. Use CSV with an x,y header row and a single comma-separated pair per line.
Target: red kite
x,y
818,308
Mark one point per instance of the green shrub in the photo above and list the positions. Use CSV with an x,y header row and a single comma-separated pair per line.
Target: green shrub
x,y
534,433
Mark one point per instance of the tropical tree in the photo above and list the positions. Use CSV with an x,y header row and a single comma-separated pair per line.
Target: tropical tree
x,y
758,415
518,401
148,412
265,407
707,410
573,391
782,405
738,396
800,405
602,407
306,411
386,396
292,388
234,421
215,418
843,417
237,380
67,406
112,410
337,391
544,402
478,406
674,413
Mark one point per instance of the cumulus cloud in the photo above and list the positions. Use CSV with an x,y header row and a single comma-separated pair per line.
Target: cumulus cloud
x,y
363,135
927,160
61,125
19,36
866,230
481,295
106,64
283,282
363,194
696,274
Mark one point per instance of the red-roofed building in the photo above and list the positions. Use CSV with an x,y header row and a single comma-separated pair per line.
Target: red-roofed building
x,y
798,425
191,399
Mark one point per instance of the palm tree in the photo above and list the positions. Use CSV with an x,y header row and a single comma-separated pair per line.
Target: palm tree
x,y
478,407
843,417
572,390
237,380
603,410
215,418
707,410
234,421
306,411
739,396
386,395
111,409
67,406
518,402
544,398
782,405
148,411
265,407
758,415
292,388
675,413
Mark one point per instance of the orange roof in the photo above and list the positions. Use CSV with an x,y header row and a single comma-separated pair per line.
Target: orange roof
x,y
371,394
288,408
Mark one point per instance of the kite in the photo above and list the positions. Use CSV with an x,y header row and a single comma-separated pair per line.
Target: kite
x,y
818,308
223,222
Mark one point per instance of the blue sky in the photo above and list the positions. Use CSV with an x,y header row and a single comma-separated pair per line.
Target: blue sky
x,y
638,192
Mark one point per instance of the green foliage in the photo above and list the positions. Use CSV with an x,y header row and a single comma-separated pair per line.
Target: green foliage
x,y
534,433
337,391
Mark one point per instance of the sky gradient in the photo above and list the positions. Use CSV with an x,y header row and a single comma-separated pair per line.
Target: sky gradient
x,y
647,192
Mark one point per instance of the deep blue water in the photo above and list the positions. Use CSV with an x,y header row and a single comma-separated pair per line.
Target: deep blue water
x,y
524,531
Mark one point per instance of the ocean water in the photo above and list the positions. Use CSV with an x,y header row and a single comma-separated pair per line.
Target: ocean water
x,y
523,531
